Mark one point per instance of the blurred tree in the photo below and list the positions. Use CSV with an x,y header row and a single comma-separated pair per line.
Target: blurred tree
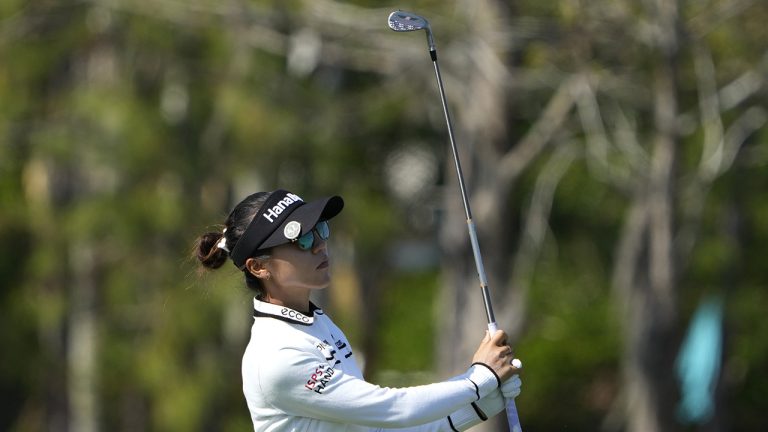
x,y
642,162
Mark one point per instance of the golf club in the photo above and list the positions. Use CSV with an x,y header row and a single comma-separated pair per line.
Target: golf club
x,y
401,21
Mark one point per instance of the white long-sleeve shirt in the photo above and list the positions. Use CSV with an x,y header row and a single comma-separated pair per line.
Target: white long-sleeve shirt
x,y
299,374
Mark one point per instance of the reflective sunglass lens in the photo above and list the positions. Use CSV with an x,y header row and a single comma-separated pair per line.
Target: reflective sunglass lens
x,y
306,241
323,230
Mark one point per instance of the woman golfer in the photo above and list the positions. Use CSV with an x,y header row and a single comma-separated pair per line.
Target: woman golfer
x,y
299,371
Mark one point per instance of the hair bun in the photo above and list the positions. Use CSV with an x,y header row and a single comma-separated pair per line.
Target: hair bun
x,y
209,252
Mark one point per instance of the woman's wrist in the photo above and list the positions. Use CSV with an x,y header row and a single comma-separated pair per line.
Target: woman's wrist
x,y
484,378
498,380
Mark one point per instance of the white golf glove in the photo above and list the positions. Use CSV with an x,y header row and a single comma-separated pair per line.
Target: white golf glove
x,y
495,402
511,387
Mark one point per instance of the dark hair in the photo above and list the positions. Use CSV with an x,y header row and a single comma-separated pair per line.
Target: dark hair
x,y
212,257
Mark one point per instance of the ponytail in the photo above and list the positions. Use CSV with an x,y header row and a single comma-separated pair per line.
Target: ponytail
x,y
212,248
209,250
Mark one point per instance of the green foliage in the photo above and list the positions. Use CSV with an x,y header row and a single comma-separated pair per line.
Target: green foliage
x,y
572,339
409,301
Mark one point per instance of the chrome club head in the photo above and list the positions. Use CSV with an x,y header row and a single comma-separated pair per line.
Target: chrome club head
x,y
402,21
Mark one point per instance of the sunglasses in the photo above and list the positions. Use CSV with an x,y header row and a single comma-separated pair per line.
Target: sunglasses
x,y
307,241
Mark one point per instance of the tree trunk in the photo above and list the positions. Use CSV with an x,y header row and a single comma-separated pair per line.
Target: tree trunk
x,y
83,342
645,274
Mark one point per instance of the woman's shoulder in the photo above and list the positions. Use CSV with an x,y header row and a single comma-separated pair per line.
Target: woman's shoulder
x,y
274,335
278,353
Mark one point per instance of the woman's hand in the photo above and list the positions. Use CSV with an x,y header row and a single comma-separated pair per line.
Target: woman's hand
x,y
496,354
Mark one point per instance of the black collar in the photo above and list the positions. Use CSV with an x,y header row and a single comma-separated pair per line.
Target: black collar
x,y
283,313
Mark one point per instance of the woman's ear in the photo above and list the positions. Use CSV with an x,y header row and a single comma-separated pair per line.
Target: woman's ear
x,y
258,268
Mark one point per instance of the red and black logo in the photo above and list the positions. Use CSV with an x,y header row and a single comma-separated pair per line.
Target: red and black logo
x,y
320,378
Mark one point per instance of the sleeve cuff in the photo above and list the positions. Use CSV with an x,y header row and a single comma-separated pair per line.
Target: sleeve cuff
x,y
464,418
478,412
491,404
484,378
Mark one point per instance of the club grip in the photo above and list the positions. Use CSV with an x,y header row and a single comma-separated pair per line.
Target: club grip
x,y
492,328
512,419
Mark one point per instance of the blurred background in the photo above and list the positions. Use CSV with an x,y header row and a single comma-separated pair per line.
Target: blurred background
x,y
615,153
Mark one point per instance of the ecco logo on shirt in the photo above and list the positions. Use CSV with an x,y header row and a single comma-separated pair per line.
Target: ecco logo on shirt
x,y
290,313
319,378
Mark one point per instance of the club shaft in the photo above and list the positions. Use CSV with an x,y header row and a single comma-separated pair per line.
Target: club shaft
x,y
467,210
511,410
